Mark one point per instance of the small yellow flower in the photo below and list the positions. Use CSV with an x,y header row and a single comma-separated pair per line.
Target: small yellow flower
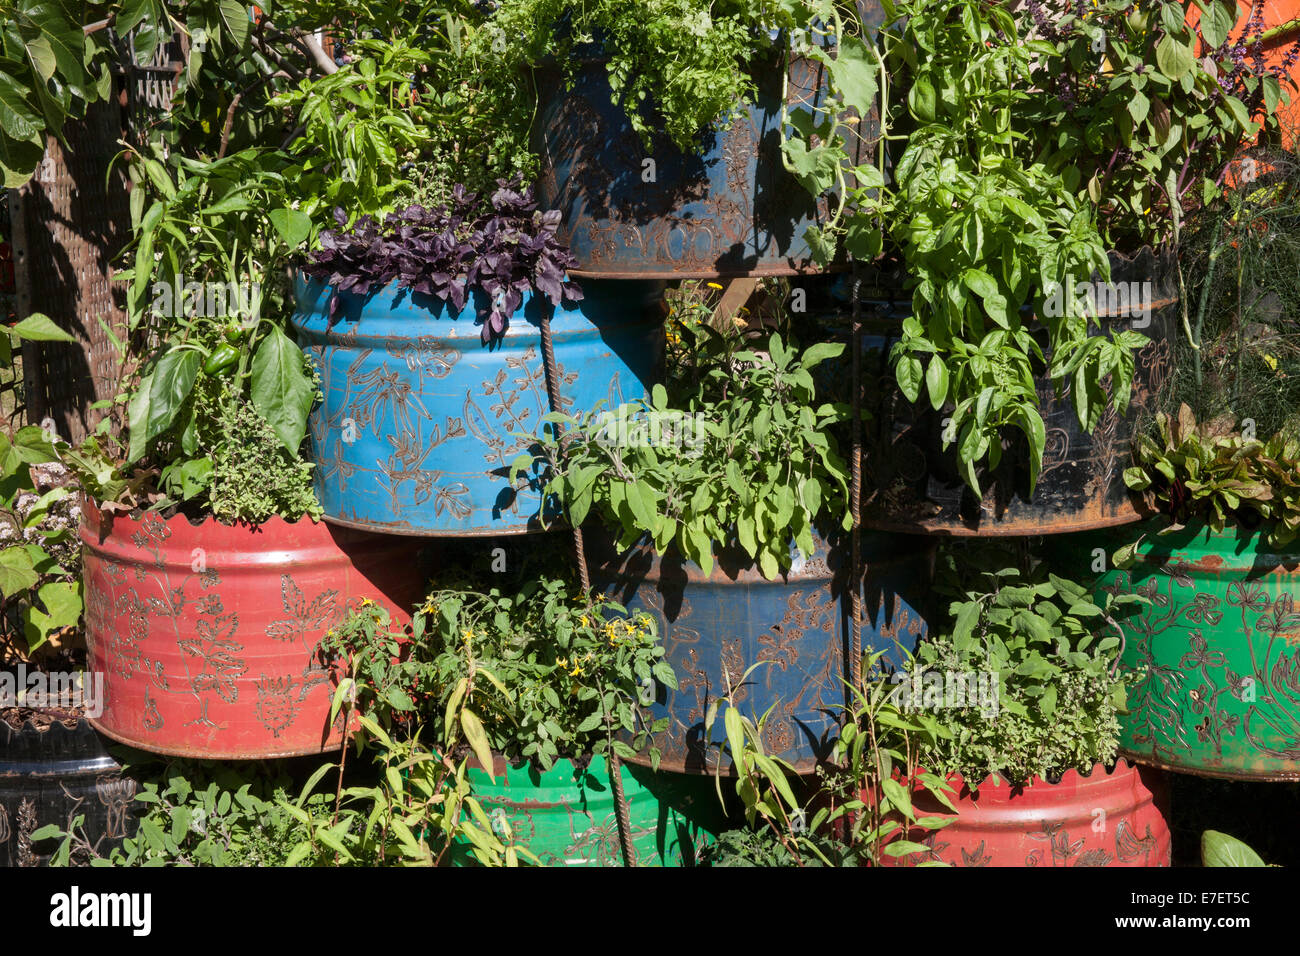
x,y
714,285
585,621
1272,362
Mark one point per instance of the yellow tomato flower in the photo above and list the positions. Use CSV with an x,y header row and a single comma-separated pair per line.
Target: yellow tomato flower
x,y
713,285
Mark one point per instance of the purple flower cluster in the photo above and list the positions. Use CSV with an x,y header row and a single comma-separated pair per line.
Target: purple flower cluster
x,y
1250,43
451,252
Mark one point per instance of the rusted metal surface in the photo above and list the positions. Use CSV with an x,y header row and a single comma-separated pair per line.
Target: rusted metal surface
x,y
917,486
714,627
421,421
728,209
1215,653
206,635
50,775
1116,818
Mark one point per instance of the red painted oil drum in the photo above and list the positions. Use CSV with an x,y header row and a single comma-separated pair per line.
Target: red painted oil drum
x,y
1115,818
206,634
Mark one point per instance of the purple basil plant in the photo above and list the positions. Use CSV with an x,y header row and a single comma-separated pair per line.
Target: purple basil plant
x,y
450,252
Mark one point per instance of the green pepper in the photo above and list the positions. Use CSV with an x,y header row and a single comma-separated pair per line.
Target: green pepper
x,y
221,359
234,333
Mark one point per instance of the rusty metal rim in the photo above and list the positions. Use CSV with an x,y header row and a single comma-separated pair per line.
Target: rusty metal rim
x,y
802,768
765,271
997,529
206,754
1148,760
502,532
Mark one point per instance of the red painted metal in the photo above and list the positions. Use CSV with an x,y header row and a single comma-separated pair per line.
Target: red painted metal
x,y
206,634
1115,818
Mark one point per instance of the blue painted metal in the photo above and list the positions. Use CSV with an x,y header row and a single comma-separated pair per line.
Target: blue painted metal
x,y
421,421
729,208
797,628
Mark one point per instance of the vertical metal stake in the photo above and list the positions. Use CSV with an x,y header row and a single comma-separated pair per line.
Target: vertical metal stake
x,y
621,812
855,490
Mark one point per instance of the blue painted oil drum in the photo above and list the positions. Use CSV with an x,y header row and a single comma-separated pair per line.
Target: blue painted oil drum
x,y
728,208
795,627
420,420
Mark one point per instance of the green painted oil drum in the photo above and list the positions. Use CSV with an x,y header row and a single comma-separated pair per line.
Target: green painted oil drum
x,y
566,815
1216,652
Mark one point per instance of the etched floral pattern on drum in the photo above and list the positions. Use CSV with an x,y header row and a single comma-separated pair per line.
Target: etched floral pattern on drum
x,y
417,433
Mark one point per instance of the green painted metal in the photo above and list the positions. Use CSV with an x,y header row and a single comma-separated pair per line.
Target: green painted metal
x,y
1216,652
566,815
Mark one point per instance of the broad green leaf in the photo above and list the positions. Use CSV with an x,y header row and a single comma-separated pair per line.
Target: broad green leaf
x,y
1220,849
281,390
16,571
170,385
39,327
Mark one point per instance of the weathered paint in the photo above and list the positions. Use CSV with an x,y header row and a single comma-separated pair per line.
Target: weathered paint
x,y
1215,654
796,628
728,208
566,816
1115,818
421,421
206,634
57,773
914,484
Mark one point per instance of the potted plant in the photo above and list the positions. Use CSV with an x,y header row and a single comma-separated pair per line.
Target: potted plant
x,y
426,330
1023,686
1210,656
549,687
659,131
720,509
209,578
1005,292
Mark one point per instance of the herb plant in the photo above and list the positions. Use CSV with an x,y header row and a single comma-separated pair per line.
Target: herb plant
x,y
759,467
1211,472
40,587
985,228
419,101
1049,647
193,813
858,811
223,374
1146,112
453,253
535,673
675,66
